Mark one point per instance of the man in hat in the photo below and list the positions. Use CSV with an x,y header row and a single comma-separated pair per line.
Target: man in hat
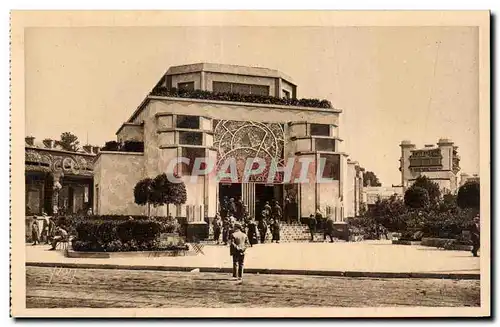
x,y
217,226
237,250
46,228
35,230
312,226
328,229
475,235
262,227
60,236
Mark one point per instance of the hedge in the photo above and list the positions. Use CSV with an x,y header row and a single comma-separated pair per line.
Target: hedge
x,y
236,97
120,233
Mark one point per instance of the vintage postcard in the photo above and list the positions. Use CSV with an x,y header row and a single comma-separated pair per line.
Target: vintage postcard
x,y
250,164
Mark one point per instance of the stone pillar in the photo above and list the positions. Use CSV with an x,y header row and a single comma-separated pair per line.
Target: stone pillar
x,y
57,179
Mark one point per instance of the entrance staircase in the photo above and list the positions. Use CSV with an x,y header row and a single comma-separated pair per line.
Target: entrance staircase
x,y
294,232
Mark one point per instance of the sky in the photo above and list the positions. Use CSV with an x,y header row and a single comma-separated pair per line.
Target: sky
x,y
392,83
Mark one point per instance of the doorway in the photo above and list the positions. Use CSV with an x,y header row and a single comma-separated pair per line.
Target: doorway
x,y
267,193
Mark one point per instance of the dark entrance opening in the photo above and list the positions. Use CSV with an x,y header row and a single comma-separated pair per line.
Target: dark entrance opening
x,y
226,192
267,193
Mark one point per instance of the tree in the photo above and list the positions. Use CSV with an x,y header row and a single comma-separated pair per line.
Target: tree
x,y
369,178
431,187
417,197
167,192
387,212
144,193
68,142
448,203
469,195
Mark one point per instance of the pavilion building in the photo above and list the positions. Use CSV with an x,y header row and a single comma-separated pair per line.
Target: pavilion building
x,y
225,111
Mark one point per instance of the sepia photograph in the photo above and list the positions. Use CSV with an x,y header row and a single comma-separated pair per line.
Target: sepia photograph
x,y
243,164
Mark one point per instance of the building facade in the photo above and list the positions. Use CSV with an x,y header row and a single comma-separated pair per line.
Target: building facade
x,y
58,181
373,193
439,163
192,113
464,178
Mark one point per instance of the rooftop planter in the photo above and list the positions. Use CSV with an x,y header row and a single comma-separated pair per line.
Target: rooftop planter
x,y
127,146
236,97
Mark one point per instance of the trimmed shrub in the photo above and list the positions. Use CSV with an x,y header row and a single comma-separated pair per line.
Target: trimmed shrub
x,y
104,234
417,197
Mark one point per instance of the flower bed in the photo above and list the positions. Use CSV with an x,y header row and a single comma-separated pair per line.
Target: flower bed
x,y
122,234
236,97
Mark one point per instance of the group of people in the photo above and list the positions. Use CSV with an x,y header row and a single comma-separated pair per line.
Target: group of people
x,y
50,234
235,211
327,225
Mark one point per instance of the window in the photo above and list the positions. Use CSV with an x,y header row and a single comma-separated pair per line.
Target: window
x,y
191,138
221,87
191,122
286,94
225,87
325,144
187,86
330,163
320,130
192,154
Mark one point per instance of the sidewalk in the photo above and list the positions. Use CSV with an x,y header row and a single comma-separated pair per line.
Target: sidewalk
x,y
360,259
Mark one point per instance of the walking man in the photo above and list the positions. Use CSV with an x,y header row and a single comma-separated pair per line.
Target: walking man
x,y
237,250
267,209
475,235
232,210
35,231
328,231
312,226
277,211
217,225
262,227
275,230
252,232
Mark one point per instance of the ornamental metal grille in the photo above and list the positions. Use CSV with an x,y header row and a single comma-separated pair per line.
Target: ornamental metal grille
x,y
247,139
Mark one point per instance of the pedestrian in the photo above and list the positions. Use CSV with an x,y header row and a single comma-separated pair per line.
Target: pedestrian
x,y
312,226
60,236
35,231
225,230
277,212
217,225
232,210
328,229
44,237
224,207
239,210
275,230
267,209
244,213
237,250
262,227
475,235
252,232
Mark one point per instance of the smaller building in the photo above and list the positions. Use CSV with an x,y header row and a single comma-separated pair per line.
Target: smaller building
x,y
464,178
373,193
438,162
57,181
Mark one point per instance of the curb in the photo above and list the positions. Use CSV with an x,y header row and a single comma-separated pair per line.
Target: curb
x,y
326,273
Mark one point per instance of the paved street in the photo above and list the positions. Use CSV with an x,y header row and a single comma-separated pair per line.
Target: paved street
x,y
107,288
